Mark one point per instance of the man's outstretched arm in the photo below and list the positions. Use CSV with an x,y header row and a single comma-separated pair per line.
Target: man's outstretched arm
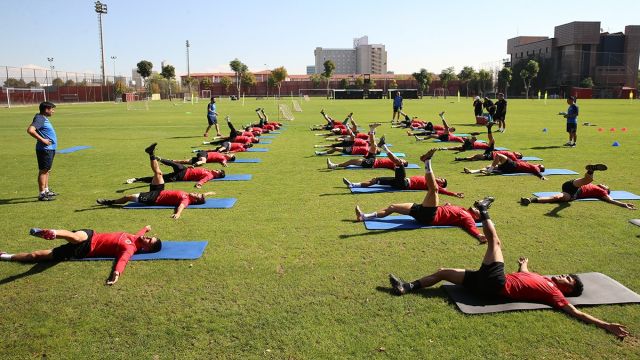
x,y
616,329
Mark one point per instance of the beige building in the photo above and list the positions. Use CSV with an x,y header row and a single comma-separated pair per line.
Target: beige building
x,y
363,58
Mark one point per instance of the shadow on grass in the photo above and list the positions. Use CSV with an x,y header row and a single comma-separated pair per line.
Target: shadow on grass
x,y
18,200
184,137
336,194
557,209
473,124
547,147
99,207
143,185
35,269
367,233
425,292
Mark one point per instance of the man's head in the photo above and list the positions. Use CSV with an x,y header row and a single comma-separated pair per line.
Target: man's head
x,y
146,244
518,154
475,213
213,100
571,100
219,174
47,108
476,98
397,93
231,157
605,187
452,129
500,96
404,162
442,182
541,168
197,198
569,284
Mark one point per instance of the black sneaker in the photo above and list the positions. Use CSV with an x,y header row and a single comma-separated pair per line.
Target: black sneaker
x,y
105,202
484,204
258,109
596,167
398,286
347,182
51,193
45,197
525,201
151,148
382,141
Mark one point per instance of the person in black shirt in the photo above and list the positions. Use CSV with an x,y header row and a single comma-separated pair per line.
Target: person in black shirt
x,y
477,106
491,108
501,112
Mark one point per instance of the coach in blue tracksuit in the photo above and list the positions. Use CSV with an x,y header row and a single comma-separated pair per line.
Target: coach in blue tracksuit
x,y
397,106
42,130
572,121
212,117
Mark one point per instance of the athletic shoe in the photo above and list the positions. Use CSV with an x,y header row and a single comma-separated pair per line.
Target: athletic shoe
x,y
105,202
484,204
151,148
51,193
596,167
258,109
398,286
466,171
568,144
572,145
347,182
43,233
442,113
525,201
382,141
130,181
45,197
417,138
330,165
322,111
319,152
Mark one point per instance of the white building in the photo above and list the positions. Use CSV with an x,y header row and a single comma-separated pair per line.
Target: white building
x,y
363,58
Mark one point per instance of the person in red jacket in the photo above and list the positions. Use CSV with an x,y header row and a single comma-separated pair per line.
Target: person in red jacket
x,y
87,243
503,165
581,188
157,195
490,280
430,212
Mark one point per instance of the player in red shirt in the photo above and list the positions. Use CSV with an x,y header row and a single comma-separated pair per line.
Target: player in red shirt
x,y
490,280
581,188
331,123
503,165
180,173
207,157
86,243
430,212
234,136
371,162
489,152
446,134
157,195
370,150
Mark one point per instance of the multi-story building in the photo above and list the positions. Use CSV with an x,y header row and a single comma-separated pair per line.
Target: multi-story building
x,y
579,50
363,58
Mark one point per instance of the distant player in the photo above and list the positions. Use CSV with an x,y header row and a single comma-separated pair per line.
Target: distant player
x,y
501,113
212,117
572,121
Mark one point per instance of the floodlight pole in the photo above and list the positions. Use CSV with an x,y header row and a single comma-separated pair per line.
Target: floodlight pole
x,y
188,70
50,60
115,91
267,68
101,9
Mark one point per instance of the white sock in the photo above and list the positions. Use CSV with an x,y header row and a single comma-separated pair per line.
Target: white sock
x,y
5,257
490,168
427,166
46,189
43,192
356,185
372,215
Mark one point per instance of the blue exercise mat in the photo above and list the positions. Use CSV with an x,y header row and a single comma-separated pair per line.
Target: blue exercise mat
x,y
266,137
274,132
73,149
357,167
257,149
245,161
503,149
211,203
235,177
547,172
530,158
171,250
376,189
398,154
265,142
616,195
436,140
401,222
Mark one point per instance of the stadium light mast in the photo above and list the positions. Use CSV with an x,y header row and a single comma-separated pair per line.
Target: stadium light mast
x,y
101,9
188,71
51,67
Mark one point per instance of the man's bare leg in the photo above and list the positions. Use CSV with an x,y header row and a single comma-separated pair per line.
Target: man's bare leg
x,y
402,209
564,197
431,199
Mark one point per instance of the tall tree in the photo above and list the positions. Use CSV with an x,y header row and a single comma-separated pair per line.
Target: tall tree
x,y
529,72
279,75
248,79
422,77
239,69
359,82
168,72
316,80
15,83
504,79
329,67
144,69
586,83
226,83
447,75
466,75
484,77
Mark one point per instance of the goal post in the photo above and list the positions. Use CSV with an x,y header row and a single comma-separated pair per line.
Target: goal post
x,y
315,92
205,94
135,102
24,96
190,98
296,106
285,112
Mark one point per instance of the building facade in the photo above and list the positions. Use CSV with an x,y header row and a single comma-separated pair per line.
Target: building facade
x,y
363,58
579,50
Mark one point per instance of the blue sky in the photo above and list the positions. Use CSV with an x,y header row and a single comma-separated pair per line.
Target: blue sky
x,y
268,34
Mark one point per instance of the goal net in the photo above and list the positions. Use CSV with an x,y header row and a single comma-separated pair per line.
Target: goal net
x,y
22,97
285,112
136,102
315,92
306,98
190,98
440,92
205,94
296,106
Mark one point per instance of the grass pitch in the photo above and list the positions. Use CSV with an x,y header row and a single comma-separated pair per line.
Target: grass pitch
x,y
287,273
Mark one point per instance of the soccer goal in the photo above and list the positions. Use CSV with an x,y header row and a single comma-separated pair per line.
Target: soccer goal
x,y
285,112
296,106
22,97
315,92
440,92
190,98
306,98
135,102
205,94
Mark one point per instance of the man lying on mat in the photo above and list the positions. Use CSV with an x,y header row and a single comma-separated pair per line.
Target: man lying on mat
x,y
430,212
206,157
581,188
490,279
87,243
264,122
503,165
234,136
369,150
180,172
331,122
401,182
489,152
157,195
370,161
446,134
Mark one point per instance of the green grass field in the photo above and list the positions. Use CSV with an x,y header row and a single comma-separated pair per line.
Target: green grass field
x,y
287,272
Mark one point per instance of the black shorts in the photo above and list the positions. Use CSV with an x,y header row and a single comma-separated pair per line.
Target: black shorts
x,y
74,251
173,177
467,145
499,118
509,167
347,150
488,280
443,137
45,159
423,214
212,120
150,197
571,127
396,108
368,162
570,189
477,112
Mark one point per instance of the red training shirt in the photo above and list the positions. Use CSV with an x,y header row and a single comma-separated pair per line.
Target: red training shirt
x,y
173,198
120,245
200,175
456,216
528,286
591,191
216,157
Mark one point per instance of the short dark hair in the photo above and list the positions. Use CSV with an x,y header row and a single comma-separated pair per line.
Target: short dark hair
x,y
572,98
157,246
578,287
213,98
444,182
233,157
46,105
222,174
